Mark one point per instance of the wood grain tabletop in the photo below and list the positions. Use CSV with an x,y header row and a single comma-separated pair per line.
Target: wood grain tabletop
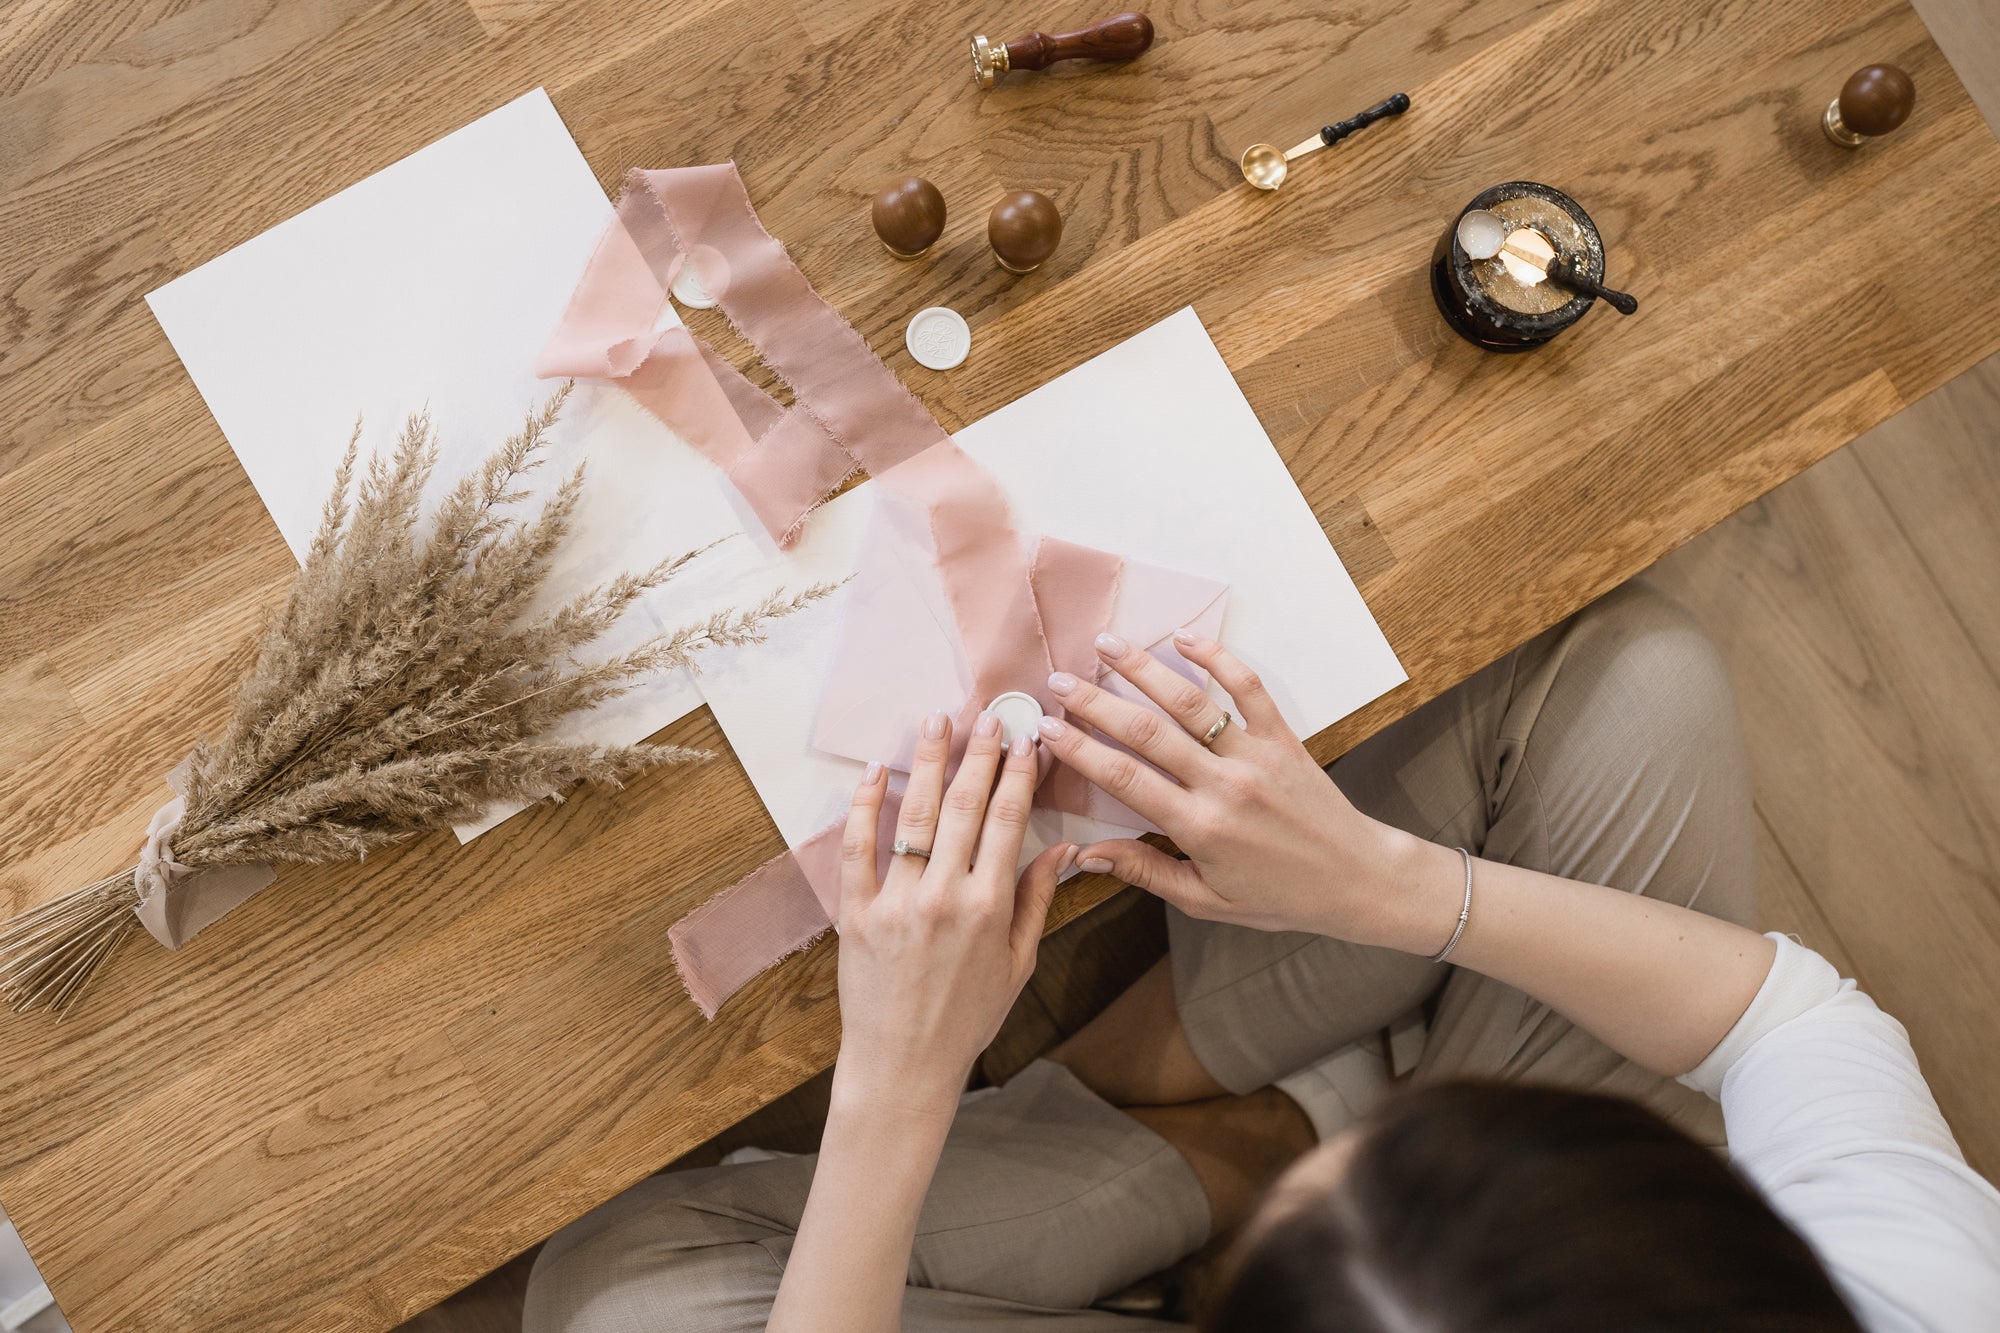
x,y
375,1082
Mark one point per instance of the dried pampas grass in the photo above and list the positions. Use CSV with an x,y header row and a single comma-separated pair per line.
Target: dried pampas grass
x,y
403,686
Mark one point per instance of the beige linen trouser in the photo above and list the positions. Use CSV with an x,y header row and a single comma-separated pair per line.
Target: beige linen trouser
x,y
1605,750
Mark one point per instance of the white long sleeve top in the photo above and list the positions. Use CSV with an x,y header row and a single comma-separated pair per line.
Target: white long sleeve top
x,y
1828,1115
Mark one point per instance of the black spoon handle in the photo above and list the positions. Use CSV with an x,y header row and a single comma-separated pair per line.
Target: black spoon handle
x,y
1576,280
1395,106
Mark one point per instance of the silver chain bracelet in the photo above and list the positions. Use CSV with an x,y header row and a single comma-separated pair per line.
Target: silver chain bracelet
x,y
1464,912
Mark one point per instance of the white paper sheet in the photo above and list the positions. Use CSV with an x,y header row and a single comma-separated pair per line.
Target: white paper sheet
x,y
436,282
1149,450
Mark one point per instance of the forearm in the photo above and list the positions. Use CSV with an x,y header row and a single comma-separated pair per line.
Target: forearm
x,y
1659,984
851,1260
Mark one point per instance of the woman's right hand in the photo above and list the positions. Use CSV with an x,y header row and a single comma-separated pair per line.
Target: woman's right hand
x,y
1271,842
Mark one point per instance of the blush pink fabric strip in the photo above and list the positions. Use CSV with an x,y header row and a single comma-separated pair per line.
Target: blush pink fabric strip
x,y
786,903
849,410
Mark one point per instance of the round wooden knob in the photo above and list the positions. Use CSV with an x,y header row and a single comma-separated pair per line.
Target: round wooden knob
x,y
1876,100
1024,229
909,216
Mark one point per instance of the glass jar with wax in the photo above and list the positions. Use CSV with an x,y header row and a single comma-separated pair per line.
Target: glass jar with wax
x,y
1490,270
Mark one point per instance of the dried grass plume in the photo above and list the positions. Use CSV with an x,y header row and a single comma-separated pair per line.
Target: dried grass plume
x,y
405,685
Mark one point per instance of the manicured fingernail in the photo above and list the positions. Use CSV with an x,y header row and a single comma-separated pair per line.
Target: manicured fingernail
x,y
1093,865
1061,683
934,725
1023,745
1051,729
871,774
987,725
1068,860
1186,636
1111,645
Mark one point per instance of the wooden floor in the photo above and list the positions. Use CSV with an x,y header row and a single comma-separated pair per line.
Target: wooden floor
x,y
1859,609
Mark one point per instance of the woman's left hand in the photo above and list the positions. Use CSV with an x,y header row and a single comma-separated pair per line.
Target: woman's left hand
x,y
933,956
1271,842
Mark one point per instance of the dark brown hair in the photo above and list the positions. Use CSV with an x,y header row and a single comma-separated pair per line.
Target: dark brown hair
x,y
1503,1208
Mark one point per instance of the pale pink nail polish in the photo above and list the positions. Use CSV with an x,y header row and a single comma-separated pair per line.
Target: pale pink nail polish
x,y
1111,645
987,725
1094,865
1051,729
1061,682
1068,860
934,726
1022,745
871,774
1186,636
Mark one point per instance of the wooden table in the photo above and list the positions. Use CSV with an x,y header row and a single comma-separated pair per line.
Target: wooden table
x,y
374,1083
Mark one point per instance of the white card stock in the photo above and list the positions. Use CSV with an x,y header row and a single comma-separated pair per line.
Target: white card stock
x,y
434,283
1148,449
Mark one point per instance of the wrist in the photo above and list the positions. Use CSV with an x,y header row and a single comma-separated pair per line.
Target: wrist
x,y
1417,889
913,1099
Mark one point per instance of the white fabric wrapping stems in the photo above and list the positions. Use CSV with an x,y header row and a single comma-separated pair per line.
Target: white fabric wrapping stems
x,y
176,901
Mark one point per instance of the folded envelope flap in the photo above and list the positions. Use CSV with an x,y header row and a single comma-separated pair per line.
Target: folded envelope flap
x,y
1154,601
899,655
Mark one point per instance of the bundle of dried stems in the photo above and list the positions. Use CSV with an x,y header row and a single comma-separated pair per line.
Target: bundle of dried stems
x,y
403,686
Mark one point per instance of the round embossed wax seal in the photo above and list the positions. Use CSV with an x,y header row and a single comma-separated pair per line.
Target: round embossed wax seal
x,y
694,290
689,292
1019,716
938,337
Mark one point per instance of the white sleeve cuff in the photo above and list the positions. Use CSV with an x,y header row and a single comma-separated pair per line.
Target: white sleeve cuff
x,y
1799,980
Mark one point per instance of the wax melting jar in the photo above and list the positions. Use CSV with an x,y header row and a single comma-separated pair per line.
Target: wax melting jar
x,y
952,604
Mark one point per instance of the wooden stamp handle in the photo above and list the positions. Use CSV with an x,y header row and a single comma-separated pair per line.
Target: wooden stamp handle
x,y
1393,106
1120,37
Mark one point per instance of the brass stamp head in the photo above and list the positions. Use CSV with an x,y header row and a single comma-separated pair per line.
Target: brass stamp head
x,y
989,61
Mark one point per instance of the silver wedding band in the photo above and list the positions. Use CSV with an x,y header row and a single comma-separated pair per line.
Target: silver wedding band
x,y
902,848
1215,728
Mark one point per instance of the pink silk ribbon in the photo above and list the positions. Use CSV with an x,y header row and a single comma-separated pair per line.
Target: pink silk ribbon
x,y
849,411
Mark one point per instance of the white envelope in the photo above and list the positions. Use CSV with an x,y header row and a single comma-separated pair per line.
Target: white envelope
x,y
899,655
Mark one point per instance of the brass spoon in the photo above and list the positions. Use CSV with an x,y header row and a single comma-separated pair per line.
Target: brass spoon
x,y
1265,167
1484,235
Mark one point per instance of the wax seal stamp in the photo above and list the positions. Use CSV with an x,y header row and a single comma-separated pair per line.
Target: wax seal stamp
x,y
909,216
1023,229
1120,37
1020,716
1872,102
938,337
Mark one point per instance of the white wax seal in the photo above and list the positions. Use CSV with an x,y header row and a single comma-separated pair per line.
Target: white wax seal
x,y
939,337
687,289
1019,716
